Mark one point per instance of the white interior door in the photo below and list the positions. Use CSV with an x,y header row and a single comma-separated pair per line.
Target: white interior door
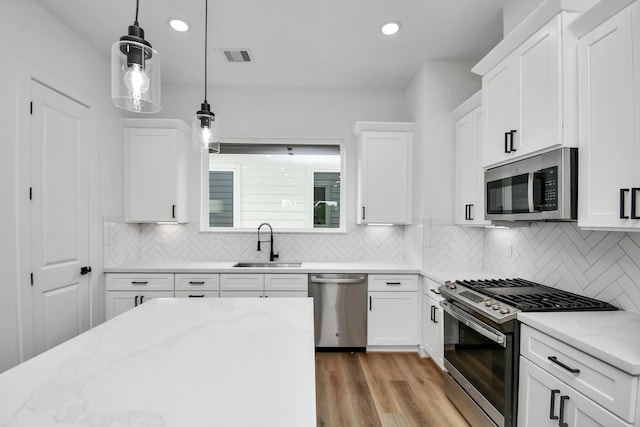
x,y
59,217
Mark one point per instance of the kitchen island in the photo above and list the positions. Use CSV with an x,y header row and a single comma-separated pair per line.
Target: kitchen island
x,y
175,362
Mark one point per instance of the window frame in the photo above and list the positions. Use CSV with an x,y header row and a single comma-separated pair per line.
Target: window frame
x,y
204,187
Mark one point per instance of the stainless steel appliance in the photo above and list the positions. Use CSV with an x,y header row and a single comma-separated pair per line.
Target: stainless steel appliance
x,y
340,311
541,187
482,340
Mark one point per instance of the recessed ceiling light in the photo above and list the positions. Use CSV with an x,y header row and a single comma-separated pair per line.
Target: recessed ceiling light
x,y
178,25
390,28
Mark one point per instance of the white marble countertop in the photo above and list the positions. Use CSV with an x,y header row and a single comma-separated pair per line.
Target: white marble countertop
x,y
611,336
227,267
175,362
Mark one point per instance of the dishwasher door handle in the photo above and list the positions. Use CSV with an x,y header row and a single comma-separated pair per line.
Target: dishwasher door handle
x,y
338,281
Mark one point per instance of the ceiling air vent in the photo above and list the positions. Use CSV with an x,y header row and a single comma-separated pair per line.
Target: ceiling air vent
x,y
237,55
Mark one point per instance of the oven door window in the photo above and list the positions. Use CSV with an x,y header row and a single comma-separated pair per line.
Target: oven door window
x,y
479,359
508,195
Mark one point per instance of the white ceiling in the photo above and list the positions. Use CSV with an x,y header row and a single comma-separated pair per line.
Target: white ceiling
x,y
296,43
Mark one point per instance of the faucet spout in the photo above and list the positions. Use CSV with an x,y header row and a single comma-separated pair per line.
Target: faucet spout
x,y
272,255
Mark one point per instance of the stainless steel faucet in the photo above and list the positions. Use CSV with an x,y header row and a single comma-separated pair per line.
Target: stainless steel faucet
x,y
272,256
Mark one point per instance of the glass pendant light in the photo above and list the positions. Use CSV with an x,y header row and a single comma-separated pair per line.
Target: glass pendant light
x,y
135,72
205,131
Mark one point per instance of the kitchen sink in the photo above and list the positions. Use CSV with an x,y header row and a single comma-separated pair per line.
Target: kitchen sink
x,y
268,264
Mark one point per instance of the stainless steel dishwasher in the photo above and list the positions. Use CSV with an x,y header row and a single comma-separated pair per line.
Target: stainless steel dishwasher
x,y
340,311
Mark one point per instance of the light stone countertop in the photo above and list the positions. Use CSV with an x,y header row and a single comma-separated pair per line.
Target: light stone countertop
x,y
611,336
175,362
227,267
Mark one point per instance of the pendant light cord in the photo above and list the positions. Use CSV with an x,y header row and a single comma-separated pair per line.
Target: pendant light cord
x,y
206,38
137,7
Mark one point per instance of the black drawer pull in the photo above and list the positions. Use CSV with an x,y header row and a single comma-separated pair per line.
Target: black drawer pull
x,y
435,310
196,296
135,301
434,291
552,405
139,283
555,360
196,283
394,283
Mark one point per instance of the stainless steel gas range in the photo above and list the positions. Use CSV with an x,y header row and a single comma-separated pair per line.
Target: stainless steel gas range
x,y
482,341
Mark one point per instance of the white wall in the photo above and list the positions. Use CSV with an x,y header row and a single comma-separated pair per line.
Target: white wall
x,y
31,34
435,91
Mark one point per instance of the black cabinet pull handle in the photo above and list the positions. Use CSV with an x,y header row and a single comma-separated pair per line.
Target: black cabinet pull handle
x,y
369,303
552,405
196,283
141,298
634,192
139,282
555,360
196,296
506,142
434,291
470,216
431,313
394,283
622,192
561,422
173,211
435,310
512,133
135,303
363,213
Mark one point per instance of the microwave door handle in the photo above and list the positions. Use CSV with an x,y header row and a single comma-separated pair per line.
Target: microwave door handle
x,y
530,191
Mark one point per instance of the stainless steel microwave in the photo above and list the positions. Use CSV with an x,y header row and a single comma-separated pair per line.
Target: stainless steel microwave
x,y
538,188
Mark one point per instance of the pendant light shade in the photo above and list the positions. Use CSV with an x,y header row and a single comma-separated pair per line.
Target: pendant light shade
x,y
135,72
205,129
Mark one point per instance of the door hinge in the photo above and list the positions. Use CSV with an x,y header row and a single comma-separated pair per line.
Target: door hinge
x,y
31,279
31,107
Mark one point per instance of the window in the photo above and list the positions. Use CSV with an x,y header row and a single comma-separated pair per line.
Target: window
x,y
292,186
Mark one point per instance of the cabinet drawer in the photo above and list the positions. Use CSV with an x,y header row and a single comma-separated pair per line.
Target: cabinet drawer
x,y
197,294
241,294
197,282
285,282
601,382
286,294
139,282
381,282
242,282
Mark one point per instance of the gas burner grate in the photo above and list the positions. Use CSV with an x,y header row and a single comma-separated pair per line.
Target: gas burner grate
x,y
530,296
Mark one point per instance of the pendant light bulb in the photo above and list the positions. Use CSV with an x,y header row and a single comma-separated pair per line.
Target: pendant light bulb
x,y
135,72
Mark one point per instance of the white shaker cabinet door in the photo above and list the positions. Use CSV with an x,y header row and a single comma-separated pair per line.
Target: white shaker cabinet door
x,y
392,318
608,144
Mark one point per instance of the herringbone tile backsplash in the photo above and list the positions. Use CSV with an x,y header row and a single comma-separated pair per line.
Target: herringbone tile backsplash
x,y
603,265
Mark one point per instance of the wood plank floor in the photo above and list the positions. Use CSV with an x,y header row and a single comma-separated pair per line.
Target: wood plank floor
x,y
382,389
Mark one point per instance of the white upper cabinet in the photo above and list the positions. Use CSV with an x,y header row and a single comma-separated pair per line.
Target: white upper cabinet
x,y
609,117
529,89
385,172
469,185
156,162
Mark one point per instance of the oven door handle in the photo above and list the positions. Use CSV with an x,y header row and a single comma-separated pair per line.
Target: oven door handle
x,y
487,332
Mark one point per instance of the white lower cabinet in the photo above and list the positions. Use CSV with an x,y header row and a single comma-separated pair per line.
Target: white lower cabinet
x,y
128,290
392,318
117,302
562,385
253,285
432,323
544,400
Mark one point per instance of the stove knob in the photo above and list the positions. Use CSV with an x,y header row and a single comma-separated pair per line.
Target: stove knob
x,y
496,306
504,310
488,302
452,285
